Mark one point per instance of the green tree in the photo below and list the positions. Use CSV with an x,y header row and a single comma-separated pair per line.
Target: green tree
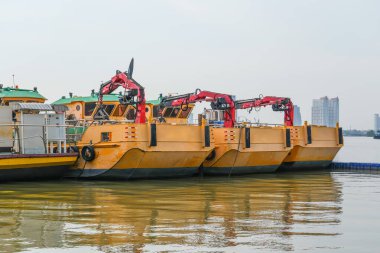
x,y
370,133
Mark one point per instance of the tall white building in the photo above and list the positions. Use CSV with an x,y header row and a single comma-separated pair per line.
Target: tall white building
x,y
377,122
325,111
297,116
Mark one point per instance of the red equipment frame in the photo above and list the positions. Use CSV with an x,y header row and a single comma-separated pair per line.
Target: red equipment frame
x,y
125,80
223,101
278,104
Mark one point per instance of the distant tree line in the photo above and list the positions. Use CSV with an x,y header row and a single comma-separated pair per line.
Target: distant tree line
x,y
354,132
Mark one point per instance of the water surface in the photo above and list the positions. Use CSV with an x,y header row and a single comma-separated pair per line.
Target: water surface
x,y
359,149
318,211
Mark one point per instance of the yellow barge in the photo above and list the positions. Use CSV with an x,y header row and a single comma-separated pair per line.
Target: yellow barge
x,y
126,150
32,137
313,146
137,151
20,167
120,142
247,150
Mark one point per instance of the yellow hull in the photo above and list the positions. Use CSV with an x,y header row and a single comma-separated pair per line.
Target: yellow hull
x,y
263,151
31,167
314,149
179,151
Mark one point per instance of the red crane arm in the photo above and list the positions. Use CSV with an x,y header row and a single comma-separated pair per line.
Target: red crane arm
x,y
218,101
277,103
125,80
120,79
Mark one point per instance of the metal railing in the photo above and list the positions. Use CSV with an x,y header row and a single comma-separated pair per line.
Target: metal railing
x,y
15,134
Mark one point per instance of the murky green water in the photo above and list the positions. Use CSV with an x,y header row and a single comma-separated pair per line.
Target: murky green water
x,y
315,212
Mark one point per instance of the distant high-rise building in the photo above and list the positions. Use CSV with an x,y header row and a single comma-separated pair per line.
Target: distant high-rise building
x,y
333,112
297,116
325,111
377,122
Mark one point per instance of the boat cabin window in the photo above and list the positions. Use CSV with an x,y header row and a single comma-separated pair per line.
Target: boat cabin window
x,y
105,136
107,108
185,113
89,108
131,114
156,111
168,111
119,111
171,112
174,113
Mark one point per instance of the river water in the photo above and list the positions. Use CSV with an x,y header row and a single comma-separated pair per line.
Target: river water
x,y
359,149
316,211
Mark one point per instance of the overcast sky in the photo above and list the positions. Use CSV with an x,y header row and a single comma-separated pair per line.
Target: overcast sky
x,y
303,49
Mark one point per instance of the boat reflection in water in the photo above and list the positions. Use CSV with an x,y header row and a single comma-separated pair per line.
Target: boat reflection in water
x,y
265,212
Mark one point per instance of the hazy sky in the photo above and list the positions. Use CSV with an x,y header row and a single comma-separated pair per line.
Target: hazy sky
x,y
303,49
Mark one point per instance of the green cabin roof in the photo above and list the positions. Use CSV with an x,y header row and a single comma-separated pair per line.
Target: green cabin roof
x,y
94,98
9,92
155,101
87,99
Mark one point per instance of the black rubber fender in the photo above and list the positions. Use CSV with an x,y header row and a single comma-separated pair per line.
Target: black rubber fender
x,y
88,153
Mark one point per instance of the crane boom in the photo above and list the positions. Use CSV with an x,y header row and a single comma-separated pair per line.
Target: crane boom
x,y
218,101
134,96
279,104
